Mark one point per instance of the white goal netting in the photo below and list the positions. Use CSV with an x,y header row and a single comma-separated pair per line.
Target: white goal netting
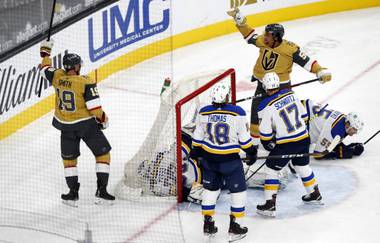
x,y
152,171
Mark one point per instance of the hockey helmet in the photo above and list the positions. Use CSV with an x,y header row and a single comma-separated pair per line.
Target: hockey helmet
x,y
70,60
355,121
271,81
277,30
220,93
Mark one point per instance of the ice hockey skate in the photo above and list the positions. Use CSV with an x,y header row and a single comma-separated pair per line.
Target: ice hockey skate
x,y
209,229
313,198
72,197
102,197
236,232
269,208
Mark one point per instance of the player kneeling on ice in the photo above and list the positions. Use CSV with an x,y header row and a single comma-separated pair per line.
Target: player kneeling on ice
x,y
221,130
325,124
79,116
282,117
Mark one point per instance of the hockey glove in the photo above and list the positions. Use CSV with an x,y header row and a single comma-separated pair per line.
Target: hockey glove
x,y
324,75
358,148
252,156
238,16
103,121
344,152
268,145
45,49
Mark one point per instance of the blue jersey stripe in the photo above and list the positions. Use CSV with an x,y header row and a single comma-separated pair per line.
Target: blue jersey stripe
x,y
310,177
237,210
293,136
272,181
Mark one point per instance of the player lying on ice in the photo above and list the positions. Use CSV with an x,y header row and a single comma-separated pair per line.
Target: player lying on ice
x,y
324,124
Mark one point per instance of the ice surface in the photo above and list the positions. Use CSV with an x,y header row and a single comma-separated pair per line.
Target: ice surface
x,y
350,187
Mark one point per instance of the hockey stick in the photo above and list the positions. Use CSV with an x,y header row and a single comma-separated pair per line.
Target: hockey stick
x,y
374,135
287,87
48,38
333,144
284,156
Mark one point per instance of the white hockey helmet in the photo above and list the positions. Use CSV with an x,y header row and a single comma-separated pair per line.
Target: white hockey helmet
x,y
220,93
271,81
354,119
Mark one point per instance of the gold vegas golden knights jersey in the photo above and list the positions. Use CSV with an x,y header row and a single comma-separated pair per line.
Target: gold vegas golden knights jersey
x,y
279,59
75,97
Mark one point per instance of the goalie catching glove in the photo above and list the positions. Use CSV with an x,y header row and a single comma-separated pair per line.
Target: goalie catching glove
x,y
45,49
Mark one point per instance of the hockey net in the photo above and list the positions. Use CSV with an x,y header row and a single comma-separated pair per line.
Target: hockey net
x,y
156,169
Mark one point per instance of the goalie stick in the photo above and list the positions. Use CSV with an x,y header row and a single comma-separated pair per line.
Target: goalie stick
x,y
291,86
333,144
48,38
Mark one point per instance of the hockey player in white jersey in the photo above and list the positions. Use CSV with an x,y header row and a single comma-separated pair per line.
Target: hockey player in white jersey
x,y
282,118
221,131
325,124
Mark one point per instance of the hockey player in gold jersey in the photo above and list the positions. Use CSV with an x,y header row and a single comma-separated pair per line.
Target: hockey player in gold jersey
x,y
79,116
276,55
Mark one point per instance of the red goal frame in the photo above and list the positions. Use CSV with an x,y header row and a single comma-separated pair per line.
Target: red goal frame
x,y
230,72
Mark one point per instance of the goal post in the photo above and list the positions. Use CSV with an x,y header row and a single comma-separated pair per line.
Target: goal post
x,y
229,73
155,171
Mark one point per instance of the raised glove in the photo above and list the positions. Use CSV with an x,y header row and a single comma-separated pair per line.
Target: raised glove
x,y
103,121
324,75
45,49
238,16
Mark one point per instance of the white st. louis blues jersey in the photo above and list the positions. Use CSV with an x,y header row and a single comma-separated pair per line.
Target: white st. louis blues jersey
x,y
324,124
282,116
221,132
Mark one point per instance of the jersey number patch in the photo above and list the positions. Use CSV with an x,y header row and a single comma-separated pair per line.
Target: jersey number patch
x,y
218,132
286,112
66,100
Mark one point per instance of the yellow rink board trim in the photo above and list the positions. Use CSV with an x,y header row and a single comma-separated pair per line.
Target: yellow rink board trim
x,y
180,40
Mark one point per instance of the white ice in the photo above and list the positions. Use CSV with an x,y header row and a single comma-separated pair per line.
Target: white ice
x,y
347,43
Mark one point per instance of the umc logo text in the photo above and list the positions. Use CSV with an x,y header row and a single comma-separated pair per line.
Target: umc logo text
x,y
119,30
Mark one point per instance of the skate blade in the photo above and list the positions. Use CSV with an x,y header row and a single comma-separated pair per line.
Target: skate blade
x,y
314,203
70,203
269,214
234,237
208,238
101,201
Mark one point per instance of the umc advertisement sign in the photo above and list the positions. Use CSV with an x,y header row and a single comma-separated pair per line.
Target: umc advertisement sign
x,y
120,26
